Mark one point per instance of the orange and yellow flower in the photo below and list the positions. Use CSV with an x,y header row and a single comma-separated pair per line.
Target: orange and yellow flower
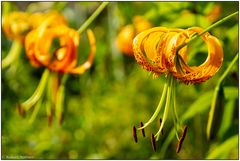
x,y
155,50
16,25
50,43
62,57
164,51
128,32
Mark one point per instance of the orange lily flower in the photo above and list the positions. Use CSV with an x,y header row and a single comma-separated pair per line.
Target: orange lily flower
x,y
17,24
128,32
54,18
159,44
64,57
214,14
158,50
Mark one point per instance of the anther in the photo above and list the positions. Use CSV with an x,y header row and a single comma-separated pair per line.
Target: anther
x,y
61,119
184,132
134,132
20,110
179,146
49,120
153,142
143,132
160,121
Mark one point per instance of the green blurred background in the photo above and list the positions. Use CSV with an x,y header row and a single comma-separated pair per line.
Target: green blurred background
x,y
103,104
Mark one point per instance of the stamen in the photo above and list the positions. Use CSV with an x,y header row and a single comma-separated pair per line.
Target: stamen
x,y
134,132
179,146
61,119
21,112
154,146
160,121
50,120
184,132
163,97
30,102
143,132
166,110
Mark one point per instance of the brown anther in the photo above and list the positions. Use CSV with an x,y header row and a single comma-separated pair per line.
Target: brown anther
x,y
179,145
21,111
134,132
184,132
61,119
50,120
160,121
154,146
143,132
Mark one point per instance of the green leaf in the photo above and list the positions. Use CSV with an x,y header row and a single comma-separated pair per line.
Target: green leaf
x,y
166,143
231,33
224,148
188,20
215,95
217,112
227,118
59,5
199,106
230,93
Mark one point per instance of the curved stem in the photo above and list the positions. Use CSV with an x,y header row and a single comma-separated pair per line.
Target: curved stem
x,y
215,95
13,54
158,107
92,17
206,30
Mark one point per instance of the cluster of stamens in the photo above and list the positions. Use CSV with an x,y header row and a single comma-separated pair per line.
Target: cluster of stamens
x,y
153,137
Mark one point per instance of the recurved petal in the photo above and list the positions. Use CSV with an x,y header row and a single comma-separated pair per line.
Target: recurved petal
x,y
211,65
82,68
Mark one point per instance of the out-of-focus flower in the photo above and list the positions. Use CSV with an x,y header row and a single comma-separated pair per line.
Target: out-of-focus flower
x,y
128,32
17,24
52,18
162,50
214,14
52,44
56,48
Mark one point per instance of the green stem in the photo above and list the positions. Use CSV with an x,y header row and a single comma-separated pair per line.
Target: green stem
x,y
206,30
92,17
12,55
215,95
228,69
